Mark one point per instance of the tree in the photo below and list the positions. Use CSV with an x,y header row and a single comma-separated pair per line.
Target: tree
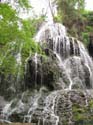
x,y
70,12
16,44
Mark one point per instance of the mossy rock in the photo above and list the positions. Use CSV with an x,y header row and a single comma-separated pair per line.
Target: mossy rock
x,y
46,72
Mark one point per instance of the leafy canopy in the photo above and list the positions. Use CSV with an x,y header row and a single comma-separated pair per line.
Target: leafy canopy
x,y
16,38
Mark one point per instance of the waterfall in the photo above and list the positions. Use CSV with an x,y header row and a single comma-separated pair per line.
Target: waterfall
x,y
45,106
18,66
47,100
76,67
6,110
53,107
50,106
32,109
35,69
71,53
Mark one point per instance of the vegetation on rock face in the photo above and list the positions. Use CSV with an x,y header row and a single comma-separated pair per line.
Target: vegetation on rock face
x,y
83,114
46,74
78,21
88,30
16,43
70,12
17,50
16,34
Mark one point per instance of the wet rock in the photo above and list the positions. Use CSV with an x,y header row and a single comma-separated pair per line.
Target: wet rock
x,y
9,86
79,73
43,72
90,46
64,62
3,102
62,107
15,117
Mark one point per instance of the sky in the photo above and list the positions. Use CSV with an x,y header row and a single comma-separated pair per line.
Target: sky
x,y
39,4
89,4
42,6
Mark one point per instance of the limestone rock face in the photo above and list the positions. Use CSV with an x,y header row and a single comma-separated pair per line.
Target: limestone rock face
x,y
55,83
44,107
44,72
90,46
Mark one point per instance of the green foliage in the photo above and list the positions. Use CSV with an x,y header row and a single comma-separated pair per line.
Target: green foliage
x,y
24,3
91,104
16,37
69,9
88,30
79,112
79,22
8,24
19,4
82,113
85,37
70,12
57,18
7,66
10,15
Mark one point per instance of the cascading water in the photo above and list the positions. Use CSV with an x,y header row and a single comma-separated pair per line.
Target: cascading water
x,y
77,71
47,107
51,107
39,103
50,103
70,52
35,69
18,65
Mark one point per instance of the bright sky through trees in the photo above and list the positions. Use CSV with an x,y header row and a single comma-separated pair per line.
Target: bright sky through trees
x,y
89,4
40,5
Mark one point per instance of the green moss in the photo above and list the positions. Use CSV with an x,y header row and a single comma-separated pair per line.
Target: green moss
x,y
91,104
79,113
83,115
